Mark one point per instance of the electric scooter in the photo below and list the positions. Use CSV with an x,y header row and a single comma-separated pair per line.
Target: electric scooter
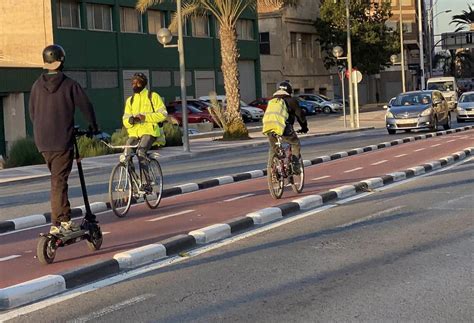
x,y
90,231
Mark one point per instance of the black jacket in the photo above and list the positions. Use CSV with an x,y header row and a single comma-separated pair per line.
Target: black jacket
x,y
53,100
294,113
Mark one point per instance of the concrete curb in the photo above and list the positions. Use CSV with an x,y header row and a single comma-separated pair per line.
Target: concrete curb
x,y
50,285
97,207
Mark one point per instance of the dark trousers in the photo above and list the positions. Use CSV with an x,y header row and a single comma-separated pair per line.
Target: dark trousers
x,y
146,141
60,165
292,139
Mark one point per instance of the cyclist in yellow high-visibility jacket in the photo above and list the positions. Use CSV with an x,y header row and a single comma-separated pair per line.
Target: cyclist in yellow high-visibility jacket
x,y
143,118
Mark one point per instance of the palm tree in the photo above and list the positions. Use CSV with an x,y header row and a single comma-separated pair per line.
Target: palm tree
x,y
465,20
457,63
226,13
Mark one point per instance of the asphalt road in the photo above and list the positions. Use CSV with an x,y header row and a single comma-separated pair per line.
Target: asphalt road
x,y
32,196
403,253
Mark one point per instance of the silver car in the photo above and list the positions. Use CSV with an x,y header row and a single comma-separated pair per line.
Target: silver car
x,y
465,107
327,105
418,110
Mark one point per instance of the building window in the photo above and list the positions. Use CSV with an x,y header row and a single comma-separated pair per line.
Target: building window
x,y
307,45
160,78
200,26
188,77
130,21
293,45
78,76
245,29
265,43
99,17
156,21
68,14
104,79
185,27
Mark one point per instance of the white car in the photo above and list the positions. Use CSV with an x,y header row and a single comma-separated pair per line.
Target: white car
x,y
465,107
248,112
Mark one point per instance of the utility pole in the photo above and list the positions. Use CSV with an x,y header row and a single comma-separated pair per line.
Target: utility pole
x,y
402,49
422,52
349,66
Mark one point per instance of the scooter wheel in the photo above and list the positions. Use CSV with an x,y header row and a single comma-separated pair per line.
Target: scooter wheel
x,y
45,250
95,240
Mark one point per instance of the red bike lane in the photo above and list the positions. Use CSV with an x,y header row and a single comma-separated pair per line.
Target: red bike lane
x,y
187,212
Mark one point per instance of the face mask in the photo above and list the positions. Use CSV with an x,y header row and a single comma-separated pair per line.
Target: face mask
x,y
137,89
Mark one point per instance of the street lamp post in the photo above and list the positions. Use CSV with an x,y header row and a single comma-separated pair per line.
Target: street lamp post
x,y
395,61
422,52
430,34
402,49
337,51
164,37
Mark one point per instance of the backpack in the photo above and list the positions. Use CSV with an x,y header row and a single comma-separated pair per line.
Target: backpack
x,y
274,119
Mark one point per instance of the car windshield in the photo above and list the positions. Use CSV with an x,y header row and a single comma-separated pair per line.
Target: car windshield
x,y
441,86
412,99
467,98
324,97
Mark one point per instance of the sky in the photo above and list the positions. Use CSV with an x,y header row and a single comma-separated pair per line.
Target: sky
x,y
441,22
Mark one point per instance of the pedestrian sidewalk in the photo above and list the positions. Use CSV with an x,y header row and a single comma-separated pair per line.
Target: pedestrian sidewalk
x,y
209,143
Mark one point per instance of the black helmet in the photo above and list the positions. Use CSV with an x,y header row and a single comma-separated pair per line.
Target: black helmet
x,y
141,77
286,86
53,57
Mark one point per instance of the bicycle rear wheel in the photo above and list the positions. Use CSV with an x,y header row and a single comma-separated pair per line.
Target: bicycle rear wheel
x,y
156,177
274,179
297,183
120,190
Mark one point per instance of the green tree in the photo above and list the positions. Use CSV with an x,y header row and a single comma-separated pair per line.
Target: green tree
x,y
464,21
457,63
226,13
372,41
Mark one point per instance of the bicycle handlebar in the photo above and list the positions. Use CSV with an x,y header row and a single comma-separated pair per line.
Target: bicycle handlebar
x,y
119,146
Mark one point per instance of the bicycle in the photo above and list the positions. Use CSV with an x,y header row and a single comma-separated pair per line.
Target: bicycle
x,y
280,170
126,185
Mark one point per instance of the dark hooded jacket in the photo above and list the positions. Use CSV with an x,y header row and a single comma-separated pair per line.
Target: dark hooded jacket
x,y
294,112
53,100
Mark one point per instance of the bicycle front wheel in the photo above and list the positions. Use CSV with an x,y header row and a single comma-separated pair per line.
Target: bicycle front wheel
x,y
297,183
120,190
274,179
153,199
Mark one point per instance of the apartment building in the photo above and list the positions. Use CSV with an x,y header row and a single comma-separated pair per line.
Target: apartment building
x,y
289,50
106,42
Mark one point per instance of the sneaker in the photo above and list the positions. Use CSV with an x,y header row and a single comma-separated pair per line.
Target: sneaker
x,y
147,188
295,165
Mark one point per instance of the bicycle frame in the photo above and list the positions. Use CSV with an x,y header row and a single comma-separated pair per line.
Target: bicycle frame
x,y
284,155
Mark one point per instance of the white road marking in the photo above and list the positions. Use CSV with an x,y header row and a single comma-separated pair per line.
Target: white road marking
x,y
383,212
435,145
353,170
113,308
451,140
379,162
238,197
26,309
398,156
104,233
171,215
420,149
322,177
9,257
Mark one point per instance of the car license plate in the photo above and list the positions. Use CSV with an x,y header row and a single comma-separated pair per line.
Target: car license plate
x,y
406,121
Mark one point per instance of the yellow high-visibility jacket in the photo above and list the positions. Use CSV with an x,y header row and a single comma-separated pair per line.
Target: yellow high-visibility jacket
x,y
274,119
142,104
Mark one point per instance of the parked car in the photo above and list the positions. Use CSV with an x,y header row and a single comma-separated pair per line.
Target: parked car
x,y
195,115
418,110
308,107
465,107
326,104
246,111
201,105
260,103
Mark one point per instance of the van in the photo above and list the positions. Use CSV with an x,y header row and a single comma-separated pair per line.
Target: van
x,y
447,86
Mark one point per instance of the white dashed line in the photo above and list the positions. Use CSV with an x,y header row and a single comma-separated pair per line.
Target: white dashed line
x,y
435,145
420,149
379,162
322,177
238,197
171,215
353,170
9,257
451,140
104,233
398,156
